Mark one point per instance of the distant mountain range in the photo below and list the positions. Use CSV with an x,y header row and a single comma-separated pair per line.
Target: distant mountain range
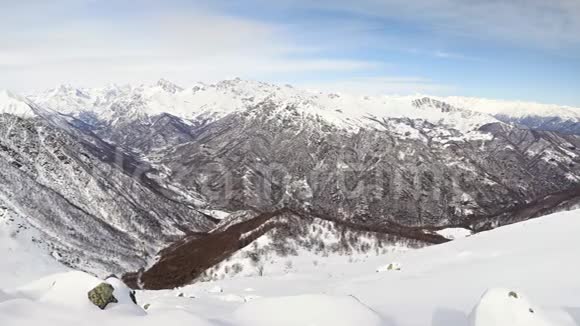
x,y
105,178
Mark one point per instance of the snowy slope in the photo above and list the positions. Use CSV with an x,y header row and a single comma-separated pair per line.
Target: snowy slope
x,y
23,257
436,286
528,272
62,183
306,249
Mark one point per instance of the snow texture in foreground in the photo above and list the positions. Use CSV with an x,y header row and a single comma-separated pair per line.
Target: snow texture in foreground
x,y
437,286
307,310
61,299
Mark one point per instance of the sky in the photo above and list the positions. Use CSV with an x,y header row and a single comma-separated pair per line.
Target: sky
x,y
512,49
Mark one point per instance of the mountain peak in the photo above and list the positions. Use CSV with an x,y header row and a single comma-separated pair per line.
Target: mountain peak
x,y
5,93
168,86
65,89
9,95
12,103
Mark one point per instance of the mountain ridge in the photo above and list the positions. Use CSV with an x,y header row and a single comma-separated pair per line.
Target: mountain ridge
x,y
244,90
147,174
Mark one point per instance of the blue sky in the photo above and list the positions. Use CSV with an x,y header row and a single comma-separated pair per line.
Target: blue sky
x,y
511,49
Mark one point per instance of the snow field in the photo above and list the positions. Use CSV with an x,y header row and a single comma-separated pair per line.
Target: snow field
x,y
527,273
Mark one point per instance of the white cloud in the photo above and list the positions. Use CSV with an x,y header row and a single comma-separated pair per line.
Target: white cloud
x,y
453,55
42,43
551,24
181,46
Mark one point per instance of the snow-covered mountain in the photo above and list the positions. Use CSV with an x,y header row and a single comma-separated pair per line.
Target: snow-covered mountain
x,y
536,116
101,174
11,103
96,207
209,101
514,109
205,102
